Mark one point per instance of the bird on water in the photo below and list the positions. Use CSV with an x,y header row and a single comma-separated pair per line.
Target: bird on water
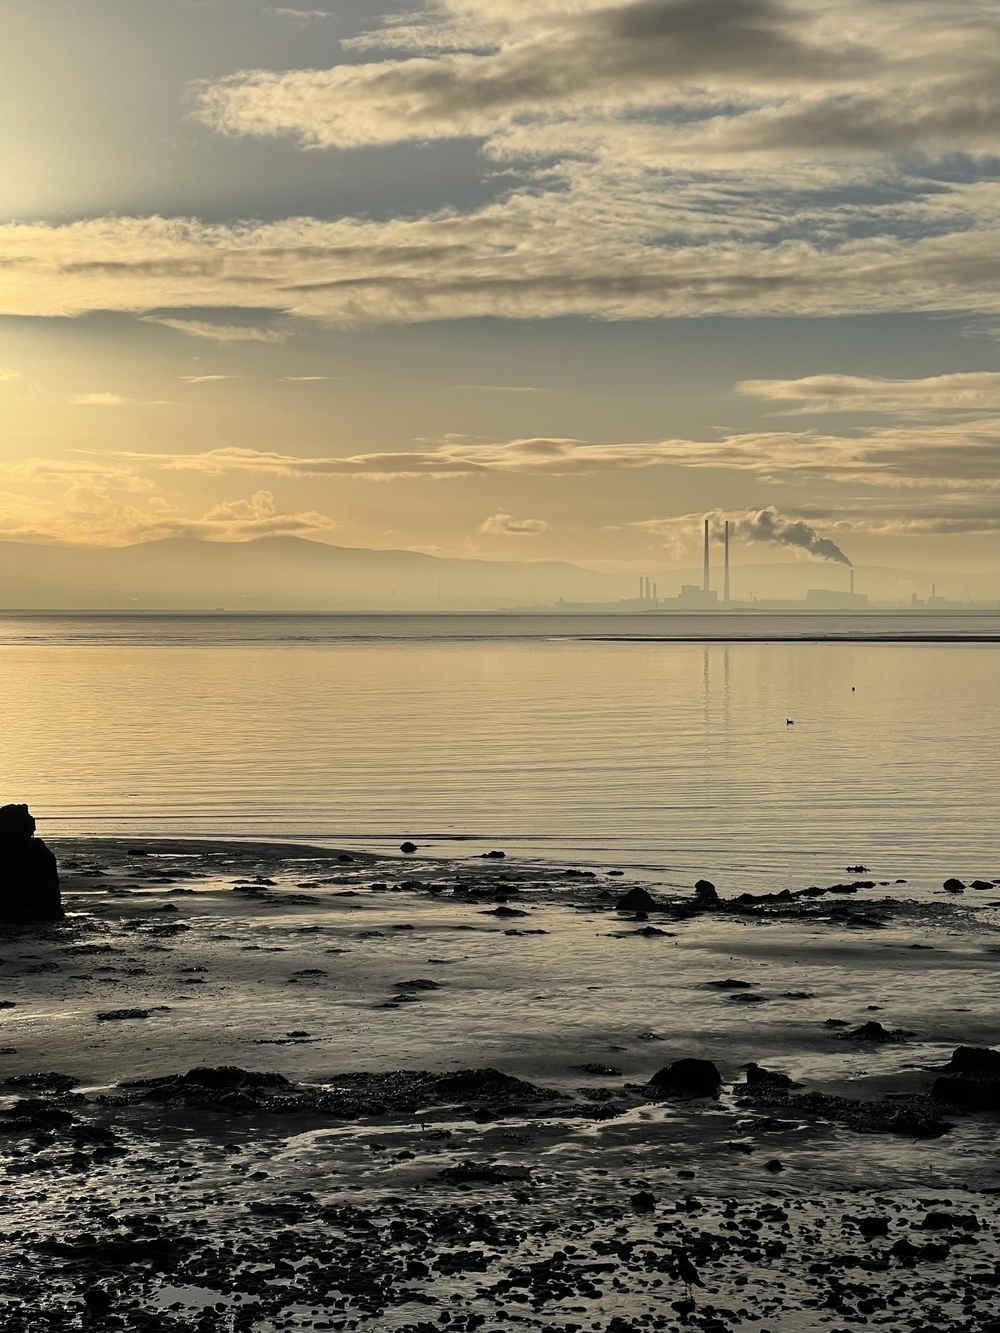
x,y
789,721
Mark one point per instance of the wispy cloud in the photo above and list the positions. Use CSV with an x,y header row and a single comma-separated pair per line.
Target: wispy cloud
x,y
206,379
965,392
948,454
498,388
101,399
8,374
304,17
220,333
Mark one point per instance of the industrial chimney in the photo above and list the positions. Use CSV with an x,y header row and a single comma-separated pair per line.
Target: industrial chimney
x,y
725,586
706,584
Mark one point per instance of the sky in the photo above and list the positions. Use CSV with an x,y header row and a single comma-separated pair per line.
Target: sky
x,y
514,279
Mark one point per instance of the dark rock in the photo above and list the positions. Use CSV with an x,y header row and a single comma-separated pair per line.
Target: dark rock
x,y
759,1078
505,911
967,1094
974,1062
29,876
949,1222
408,847
42,1082
730,983
494,856
954,886
606,1071
874,1032
643,1202
914,1117
874,1226
774,1165
113,1015
418,983
636,900
856,870
98,1300
741,997
982,884
687,1078
229,1077
706,893
483,1173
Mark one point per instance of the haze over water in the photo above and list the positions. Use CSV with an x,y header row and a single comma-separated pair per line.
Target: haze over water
x,y
551,738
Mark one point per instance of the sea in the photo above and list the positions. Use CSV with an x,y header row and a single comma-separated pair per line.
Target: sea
x,y
759,751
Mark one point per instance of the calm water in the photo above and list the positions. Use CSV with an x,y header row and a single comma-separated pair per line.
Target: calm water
x,y
556,737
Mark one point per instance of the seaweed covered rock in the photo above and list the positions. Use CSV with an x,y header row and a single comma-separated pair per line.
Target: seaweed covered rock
x,y
349,1096
29,877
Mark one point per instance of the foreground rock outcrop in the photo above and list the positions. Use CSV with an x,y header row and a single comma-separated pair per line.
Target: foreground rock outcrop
x,y
29,877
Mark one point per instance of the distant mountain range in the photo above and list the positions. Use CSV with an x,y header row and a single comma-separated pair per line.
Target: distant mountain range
x,y
291,573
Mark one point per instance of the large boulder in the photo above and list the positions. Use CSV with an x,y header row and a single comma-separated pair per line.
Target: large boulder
x,y
706,894
687,1078
636,900
29,876
970,1080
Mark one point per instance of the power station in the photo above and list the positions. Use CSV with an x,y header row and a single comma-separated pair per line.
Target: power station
x,y
693,597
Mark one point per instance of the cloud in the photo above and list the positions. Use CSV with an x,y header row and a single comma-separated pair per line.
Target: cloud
x,y
942,454
503,525
948,515
303,379
531,255
89,515
220,333
668,158
100,400
645,53
729,77
967,391
499,388
796,527
7,374
75,472
303,17
206,379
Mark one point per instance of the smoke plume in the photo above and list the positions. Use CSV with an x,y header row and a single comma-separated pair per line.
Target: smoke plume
x,y
767,525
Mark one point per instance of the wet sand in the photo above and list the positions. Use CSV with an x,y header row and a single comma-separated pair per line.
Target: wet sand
x,y
322,1203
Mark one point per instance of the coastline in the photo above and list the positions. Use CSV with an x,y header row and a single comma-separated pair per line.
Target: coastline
x,y
285,958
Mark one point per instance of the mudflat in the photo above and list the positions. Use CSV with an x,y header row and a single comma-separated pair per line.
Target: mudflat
x,y
251,1086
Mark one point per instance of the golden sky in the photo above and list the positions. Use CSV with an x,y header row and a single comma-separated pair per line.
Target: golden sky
x,y
519,279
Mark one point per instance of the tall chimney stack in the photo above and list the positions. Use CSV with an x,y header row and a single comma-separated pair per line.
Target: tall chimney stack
x,y
706,585
725,593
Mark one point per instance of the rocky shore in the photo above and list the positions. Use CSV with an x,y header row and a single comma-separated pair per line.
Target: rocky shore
x,y
271,1087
